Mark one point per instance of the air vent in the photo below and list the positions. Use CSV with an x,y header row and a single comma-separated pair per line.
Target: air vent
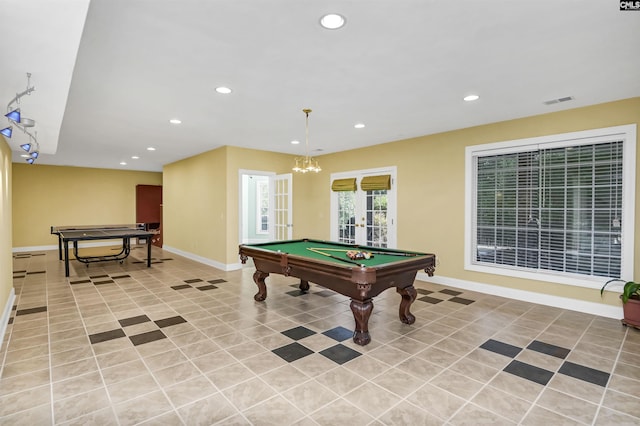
x,y
555,101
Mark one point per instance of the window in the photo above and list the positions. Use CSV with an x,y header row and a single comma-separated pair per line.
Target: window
x,y
558,208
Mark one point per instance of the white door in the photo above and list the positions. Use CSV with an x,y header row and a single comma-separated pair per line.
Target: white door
x,y
364,217
282,211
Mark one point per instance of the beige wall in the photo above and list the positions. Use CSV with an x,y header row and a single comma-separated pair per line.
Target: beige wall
x,y
200,197
6,258
54,195
430,184
194,203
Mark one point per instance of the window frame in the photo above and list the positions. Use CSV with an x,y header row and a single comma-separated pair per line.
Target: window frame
x,y
624,133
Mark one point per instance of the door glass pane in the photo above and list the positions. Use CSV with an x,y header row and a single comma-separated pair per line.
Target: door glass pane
x,y
347,217
376,215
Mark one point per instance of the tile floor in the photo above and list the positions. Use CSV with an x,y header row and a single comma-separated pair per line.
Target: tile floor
x,y
182,343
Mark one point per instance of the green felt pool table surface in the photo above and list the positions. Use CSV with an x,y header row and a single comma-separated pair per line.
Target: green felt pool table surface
x,y
304,248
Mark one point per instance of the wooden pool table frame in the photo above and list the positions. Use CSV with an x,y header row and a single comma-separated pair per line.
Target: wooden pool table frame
x,y
360,283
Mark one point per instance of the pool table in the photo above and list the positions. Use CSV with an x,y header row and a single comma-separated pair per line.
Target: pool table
x,y
326,264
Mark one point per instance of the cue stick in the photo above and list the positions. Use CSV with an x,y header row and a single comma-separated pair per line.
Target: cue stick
x,y
315,250
394,254
372,252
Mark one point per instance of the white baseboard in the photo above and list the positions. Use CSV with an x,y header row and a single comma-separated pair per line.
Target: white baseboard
x,y
600,309
206,261
6,314
33,248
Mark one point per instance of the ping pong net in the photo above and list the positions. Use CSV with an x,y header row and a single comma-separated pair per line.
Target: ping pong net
x,y
59,229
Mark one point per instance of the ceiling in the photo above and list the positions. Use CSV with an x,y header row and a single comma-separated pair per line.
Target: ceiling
x,y
110,74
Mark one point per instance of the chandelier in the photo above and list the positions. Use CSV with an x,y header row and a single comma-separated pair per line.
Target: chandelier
x,y
306,164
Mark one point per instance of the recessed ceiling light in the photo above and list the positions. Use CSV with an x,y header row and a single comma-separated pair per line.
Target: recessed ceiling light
x,y
332,21
122,163
223,90
151,148
359,126
470,98
25,156
175,121
296,142
134,157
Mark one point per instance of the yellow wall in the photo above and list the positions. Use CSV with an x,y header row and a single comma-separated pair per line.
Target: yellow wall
x,y
200,198
430,182
6,257
54,195
194,205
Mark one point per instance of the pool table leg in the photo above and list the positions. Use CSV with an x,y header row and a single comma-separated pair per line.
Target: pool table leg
x,y
258,278
361,313
408,296
304,286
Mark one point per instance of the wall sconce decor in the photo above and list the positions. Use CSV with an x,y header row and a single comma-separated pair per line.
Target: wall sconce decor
x,y
16,119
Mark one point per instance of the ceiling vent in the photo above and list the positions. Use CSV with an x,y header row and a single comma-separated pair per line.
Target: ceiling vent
x,y
555,101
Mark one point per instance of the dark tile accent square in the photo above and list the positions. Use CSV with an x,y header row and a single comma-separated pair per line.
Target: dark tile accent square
x,y
121,276
431,300
325,293
31,310
10,321
166,258
450,292
80,282
501,348
138,261
20,272
461,300
340,353
134,320
18,276
36,272
194,280
298,333
98,276
153,262
339,333
166,322
104,282
529,372
217,281
38,254
150,336
106,335
586,374
207,287
423,291
180,287
14,308
292,352
548,349
296,293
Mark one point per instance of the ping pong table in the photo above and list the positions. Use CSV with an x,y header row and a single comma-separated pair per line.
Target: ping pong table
x,y
75,234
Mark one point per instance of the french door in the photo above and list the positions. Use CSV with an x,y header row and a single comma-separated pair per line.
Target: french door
x,y
282,207
362,213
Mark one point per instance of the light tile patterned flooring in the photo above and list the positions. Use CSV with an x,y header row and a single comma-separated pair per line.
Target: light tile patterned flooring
x,y
184,343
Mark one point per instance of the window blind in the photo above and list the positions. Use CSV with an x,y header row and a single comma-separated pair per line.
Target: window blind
x,y
376,183
555,209
339,185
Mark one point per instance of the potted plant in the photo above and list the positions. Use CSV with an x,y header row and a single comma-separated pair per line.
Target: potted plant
x,y
630,301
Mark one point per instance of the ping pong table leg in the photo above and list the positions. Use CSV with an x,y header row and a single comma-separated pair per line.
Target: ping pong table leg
x,y
60,246
148,252
66,258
